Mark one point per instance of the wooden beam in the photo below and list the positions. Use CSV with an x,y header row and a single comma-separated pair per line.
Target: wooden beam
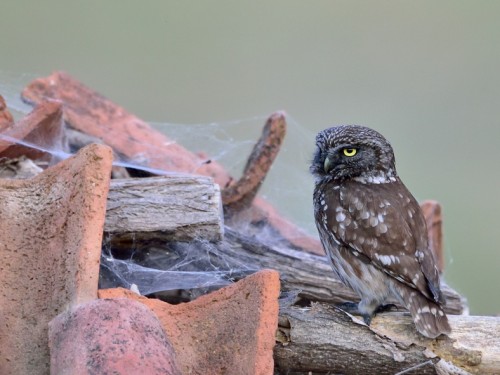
x,y
323,339
308,273
174,208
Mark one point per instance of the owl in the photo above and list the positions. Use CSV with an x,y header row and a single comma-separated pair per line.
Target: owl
x,y
372,228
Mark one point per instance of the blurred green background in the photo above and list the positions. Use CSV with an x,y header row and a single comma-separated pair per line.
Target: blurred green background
x,y
423,73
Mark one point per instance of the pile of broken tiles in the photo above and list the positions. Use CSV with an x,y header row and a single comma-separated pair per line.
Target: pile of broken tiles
x,y
53,318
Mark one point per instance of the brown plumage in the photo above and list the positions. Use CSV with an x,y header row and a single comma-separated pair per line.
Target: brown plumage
x,y
372,228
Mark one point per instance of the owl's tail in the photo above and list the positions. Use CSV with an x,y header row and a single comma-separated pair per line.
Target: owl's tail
x,y
429,317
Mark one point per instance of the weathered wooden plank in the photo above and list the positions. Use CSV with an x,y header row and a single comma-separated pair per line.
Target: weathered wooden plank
x,y
175,208
322,339
309,273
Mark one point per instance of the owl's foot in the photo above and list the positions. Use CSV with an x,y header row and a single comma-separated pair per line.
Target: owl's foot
x,y
385,308
350,307
353,308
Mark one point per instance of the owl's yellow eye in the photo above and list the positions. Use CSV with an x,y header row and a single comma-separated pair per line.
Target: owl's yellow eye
x,y
350,151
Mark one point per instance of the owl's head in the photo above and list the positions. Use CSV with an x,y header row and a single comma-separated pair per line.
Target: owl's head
x,y
353,152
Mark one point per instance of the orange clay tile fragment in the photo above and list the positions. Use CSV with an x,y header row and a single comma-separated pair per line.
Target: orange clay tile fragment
x,y
6,118
91,113
50,245
110,336
240,194
43,127
229,331
434,220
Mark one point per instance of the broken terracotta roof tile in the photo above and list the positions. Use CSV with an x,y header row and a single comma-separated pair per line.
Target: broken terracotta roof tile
x,y
6,118
43,127
89,112
229,331
50,249
110,336
434,220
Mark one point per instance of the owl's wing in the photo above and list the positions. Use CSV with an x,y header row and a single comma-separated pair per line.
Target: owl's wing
x,y
385,223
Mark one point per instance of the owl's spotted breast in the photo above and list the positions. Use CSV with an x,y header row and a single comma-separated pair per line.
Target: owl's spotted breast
x,y
381,226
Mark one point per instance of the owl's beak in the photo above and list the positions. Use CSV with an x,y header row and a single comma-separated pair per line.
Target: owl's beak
x,y
328,165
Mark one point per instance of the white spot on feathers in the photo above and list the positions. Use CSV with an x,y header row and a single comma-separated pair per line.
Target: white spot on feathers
x,y
424,309
340,217
386,260
382,228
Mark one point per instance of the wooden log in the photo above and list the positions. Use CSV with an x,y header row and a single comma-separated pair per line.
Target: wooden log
x,y
308,273
322,339
18,168
176,208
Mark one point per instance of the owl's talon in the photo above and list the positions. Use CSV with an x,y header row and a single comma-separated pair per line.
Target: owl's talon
x,y
349,307
353,308
385,308
367,318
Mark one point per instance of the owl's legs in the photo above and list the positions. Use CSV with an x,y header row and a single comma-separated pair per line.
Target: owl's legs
x,y
385,308
365,310
354,308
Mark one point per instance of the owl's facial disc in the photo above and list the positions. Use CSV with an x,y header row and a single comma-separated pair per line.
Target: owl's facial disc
x,y
345,153
353,152
348,160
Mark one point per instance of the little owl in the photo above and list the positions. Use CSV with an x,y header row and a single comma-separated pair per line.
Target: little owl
x,y
373,229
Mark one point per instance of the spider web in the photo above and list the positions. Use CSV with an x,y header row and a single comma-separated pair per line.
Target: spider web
x,y
176,266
